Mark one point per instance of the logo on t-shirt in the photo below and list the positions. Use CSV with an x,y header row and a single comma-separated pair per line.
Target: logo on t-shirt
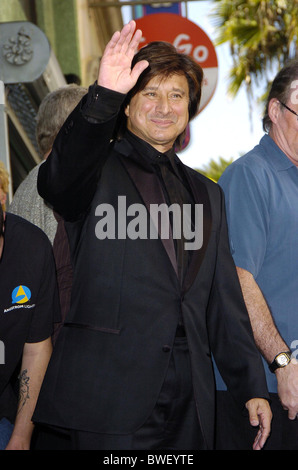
x,y
21,295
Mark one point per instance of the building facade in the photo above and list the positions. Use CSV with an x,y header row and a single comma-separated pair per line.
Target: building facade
x,y
77,32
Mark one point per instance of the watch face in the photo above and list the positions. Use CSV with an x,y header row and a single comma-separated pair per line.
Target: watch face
x,y
282,360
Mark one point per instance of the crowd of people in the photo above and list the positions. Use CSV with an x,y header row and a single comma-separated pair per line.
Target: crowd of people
x,y
119,334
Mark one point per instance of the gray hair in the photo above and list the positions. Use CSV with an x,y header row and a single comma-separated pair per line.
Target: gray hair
x,y
53,111
281,88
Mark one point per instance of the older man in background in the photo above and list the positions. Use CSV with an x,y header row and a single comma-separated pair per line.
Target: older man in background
x,y
261,191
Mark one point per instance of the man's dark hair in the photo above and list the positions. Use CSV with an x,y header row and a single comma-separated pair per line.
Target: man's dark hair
x,y
281,88
165,61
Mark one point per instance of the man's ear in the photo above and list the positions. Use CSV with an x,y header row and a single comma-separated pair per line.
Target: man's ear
x,y
126,110
274,109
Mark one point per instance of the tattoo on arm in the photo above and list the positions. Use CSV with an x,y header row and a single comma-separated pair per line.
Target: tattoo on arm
x,y
23,388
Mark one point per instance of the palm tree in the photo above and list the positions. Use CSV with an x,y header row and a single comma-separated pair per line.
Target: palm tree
x,y
214,169
263,36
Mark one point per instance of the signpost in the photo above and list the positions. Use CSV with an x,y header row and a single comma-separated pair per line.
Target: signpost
x,y
24,55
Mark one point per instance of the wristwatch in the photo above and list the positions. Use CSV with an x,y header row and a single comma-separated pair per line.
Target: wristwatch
x,y
281,360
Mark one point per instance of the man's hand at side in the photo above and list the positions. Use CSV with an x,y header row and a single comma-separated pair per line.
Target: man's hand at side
x,y
260,415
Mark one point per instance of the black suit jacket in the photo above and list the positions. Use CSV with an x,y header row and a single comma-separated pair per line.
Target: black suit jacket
x,y
111,357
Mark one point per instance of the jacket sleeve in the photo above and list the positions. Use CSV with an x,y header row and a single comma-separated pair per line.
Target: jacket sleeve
x,y
68,178
230,333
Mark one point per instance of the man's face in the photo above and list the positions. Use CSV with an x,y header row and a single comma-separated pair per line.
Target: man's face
x,y
285,128
159,113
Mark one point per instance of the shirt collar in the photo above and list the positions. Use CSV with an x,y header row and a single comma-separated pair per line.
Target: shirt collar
x,y
149,153
277,157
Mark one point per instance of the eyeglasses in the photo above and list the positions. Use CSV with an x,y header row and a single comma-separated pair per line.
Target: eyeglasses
x,y
289,109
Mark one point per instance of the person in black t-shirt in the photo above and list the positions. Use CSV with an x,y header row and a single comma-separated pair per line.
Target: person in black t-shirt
x,y
28,307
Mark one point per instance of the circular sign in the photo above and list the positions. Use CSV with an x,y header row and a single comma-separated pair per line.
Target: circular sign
x,y
188,38
25,52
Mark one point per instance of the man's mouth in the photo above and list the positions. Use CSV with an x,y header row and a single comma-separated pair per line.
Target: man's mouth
x,y
162,122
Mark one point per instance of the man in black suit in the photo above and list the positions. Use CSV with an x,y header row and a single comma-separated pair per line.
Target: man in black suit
x,y
155,290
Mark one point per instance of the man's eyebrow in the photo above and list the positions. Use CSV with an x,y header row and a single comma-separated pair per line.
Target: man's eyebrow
x,y
155,87
179,90
149,88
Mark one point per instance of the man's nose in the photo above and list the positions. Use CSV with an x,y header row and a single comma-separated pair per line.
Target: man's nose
x,y
163,105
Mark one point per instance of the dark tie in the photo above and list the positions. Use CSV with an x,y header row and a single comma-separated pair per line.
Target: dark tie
x,y
177,193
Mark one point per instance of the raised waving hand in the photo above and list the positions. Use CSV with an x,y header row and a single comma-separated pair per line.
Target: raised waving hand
x,y
115,70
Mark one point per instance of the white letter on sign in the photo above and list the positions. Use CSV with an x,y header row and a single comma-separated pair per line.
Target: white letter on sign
x,y
186,47
200,53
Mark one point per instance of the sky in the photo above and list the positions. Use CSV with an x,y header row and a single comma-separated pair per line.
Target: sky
x,y
223,128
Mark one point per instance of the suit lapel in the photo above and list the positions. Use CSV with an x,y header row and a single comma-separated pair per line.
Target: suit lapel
x,y
149,188
201,196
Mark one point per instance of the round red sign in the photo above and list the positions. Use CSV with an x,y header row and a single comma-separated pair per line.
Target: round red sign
x,y
188,38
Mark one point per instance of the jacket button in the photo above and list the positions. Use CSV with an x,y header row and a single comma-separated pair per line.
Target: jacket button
x,y
166,348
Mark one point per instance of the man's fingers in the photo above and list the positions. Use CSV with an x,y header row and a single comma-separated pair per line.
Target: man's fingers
x,y
292,414
125,36
121,38
253,417
134,43
260,415
138,69
263,432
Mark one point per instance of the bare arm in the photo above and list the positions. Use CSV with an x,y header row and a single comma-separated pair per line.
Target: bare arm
x,y
269,341
35,360
266,335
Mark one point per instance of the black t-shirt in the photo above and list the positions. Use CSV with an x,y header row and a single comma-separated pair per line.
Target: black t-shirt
x,y
29,302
